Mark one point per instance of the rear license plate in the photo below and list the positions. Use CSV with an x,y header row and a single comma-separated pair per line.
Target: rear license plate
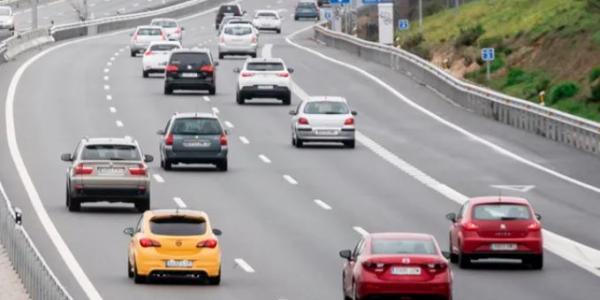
x,y
326,132
111,171
503,247
199,144
265,87
406,271
179,263
189,75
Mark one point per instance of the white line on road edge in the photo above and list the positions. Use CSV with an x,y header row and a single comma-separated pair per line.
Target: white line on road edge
x,y
158,178
119,123
360,230
322,204
112,109
581,255
206,98
179,202
264,158
244,140
290,179
229,124
244,265
108,97
267,50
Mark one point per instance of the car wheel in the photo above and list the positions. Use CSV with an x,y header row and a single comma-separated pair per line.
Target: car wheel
x,y
239,98
138,278
350,144
143,205
536,262
145,74
222,165
287,100
278,31
168,90
74,204
299,143
216,280
295,18
129,269
212,90
464,261
133,53
221,56
167,165
293,141
253,55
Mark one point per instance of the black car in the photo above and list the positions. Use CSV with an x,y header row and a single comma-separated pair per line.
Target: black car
x,y
323,2
228,9
191,70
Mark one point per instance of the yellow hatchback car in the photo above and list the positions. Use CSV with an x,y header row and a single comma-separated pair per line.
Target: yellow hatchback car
x,y
174,243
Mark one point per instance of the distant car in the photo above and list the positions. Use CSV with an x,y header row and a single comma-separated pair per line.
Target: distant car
x,y
323,2
264,78
143,36
191,69
174,243
7,18
193,138
496,227
238,39
396,266
323,119
108,169
307,10
156,57
267,20
228,10
225,21
172,29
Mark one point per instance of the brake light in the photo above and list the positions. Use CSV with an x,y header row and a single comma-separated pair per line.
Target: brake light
x,y
212,243
534,227
253,39
148,53
135,36
207,68
140,170
178,30
222,39
223,140
471,226
247,74
283,74
303,121
172,68
162,36
349,121
374,266
169,140
146,243
436,267
82,169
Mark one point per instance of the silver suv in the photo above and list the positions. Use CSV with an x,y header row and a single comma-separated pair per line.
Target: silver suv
x,y
108,169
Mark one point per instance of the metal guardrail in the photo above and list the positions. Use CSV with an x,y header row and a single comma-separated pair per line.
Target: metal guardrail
x,y
547,122
38,279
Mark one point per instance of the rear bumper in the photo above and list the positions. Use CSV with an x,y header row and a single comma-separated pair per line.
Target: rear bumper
x,y
275,92
231,49
191,157
190,84
373,290
306,15
110,194
137,47
481,247
7,26
155,265
311,135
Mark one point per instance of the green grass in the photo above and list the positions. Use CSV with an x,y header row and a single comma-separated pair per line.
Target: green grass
x,y
585,110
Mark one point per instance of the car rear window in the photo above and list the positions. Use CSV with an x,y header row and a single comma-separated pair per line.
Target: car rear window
x,y
305,5
196,126
178,226
165,24
238,30
184,58
326,108
230,9
501,211
164,47
265,66
394,246
266,15
4,11
149,31
110,152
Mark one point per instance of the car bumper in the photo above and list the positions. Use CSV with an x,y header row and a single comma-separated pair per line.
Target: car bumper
x,y
268,26
138,46
190,84
7,26
391,289
482,247
256,92
308,134
306,15
155,265
154,67
110,194
192,157
237,49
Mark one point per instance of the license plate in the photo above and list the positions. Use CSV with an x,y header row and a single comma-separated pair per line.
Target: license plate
x,y
406,271
189,75
179,263
196,144
265,87
326,132
503,247
111,171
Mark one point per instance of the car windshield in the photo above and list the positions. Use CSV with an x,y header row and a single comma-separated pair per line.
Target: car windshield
x,y
110,152
178,225
199,59
196,126
326,108
165,24
501,211
394,246
265,66
266,15
238,30
230,9
4,11
164,47
149,31
306,5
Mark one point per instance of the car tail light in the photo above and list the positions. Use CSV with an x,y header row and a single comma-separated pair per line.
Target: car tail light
x,y
436,267
349,121
253,39
135,36
534,227
247,74
178,30
148,53
169,140
373,266
211,243
172,68
471,226
222,39
303,121
283,74
223,140
162,36
207,68
82,169
140,170
146,243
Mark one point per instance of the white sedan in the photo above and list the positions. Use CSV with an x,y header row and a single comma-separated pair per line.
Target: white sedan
x,y
267,20
156,57
264,78
323,119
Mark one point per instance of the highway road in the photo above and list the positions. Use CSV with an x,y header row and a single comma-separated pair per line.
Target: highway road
x,y
285,212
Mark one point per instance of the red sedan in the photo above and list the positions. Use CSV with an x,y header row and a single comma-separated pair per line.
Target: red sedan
x,y
496,227
396,266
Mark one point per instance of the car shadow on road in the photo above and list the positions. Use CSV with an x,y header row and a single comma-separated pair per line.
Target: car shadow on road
x,y
499,266
97,209
178,281
194,168
323,146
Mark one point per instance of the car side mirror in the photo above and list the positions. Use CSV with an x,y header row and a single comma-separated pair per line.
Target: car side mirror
x,y
217,232
354,113
148,158
236,70
244,13
216,63
182,28
446,254
66,157
226,131
292,112
128,231
346,254
538,216
451,217
160,132
291,70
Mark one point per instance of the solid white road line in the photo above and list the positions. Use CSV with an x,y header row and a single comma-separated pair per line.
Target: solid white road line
x,y
581,255
360,230
112,109
290,179
244,265
244,140
206,98
158,178
264,158
266,51
322,204
179,202
229,124
119,123
108,97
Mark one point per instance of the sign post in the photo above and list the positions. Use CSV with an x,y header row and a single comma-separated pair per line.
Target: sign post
x,y
488,55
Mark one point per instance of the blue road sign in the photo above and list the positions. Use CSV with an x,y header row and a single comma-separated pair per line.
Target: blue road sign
x,y
403,24
488,54
328,14
339,1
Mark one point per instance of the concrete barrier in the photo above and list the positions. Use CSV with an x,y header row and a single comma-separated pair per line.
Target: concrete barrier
x,y
22,42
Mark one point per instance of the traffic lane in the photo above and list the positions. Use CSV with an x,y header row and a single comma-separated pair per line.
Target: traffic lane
x,y
443,153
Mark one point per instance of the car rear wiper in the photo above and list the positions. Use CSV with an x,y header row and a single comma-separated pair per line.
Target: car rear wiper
x,y
116,158
509,218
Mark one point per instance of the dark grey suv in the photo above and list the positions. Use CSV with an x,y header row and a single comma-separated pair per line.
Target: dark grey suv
x,y
191,69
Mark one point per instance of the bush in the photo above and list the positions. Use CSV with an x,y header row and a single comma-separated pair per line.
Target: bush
x,y
412,41
495,42
594,74
563,90
593,5
469,35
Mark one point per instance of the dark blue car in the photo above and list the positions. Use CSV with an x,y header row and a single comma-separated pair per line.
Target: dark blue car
x,y
307,10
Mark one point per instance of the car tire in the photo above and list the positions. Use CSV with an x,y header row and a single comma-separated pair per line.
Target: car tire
x,y
143,205
299,143
239,98
74,204
222,165
216,280
355,292
293,141
133,53
221,56
295,18
453,256
139,279
145,74
536,262
166,164
287,99
253,55
350,144
212,90
168,90
464,261
129,269
278,31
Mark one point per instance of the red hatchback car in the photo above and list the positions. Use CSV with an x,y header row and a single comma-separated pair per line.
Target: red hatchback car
x,y
496,227
396,266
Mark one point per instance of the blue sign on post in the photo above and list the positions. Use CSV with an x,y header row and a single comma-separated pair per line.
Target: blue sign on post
x,y
339,1
403,24
488,54
328,14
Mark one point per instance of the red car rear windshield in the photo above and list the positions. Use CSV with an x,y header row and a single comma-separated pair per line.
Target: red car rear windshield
x,y
178,226
501,211
393,246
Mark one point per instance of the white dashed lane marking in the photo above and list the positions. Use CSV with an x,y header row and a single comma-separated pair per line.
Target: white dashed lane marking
x,y
244,265
264,158
206,98
244,140
229,124
215,110
112,109
290,179
106,87
158,178
119,123
322,204
179,202
108,97
106,70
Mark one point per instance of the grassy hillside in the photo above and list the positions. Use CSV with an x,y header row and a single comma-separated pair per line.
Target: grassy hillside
x,y
541,45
